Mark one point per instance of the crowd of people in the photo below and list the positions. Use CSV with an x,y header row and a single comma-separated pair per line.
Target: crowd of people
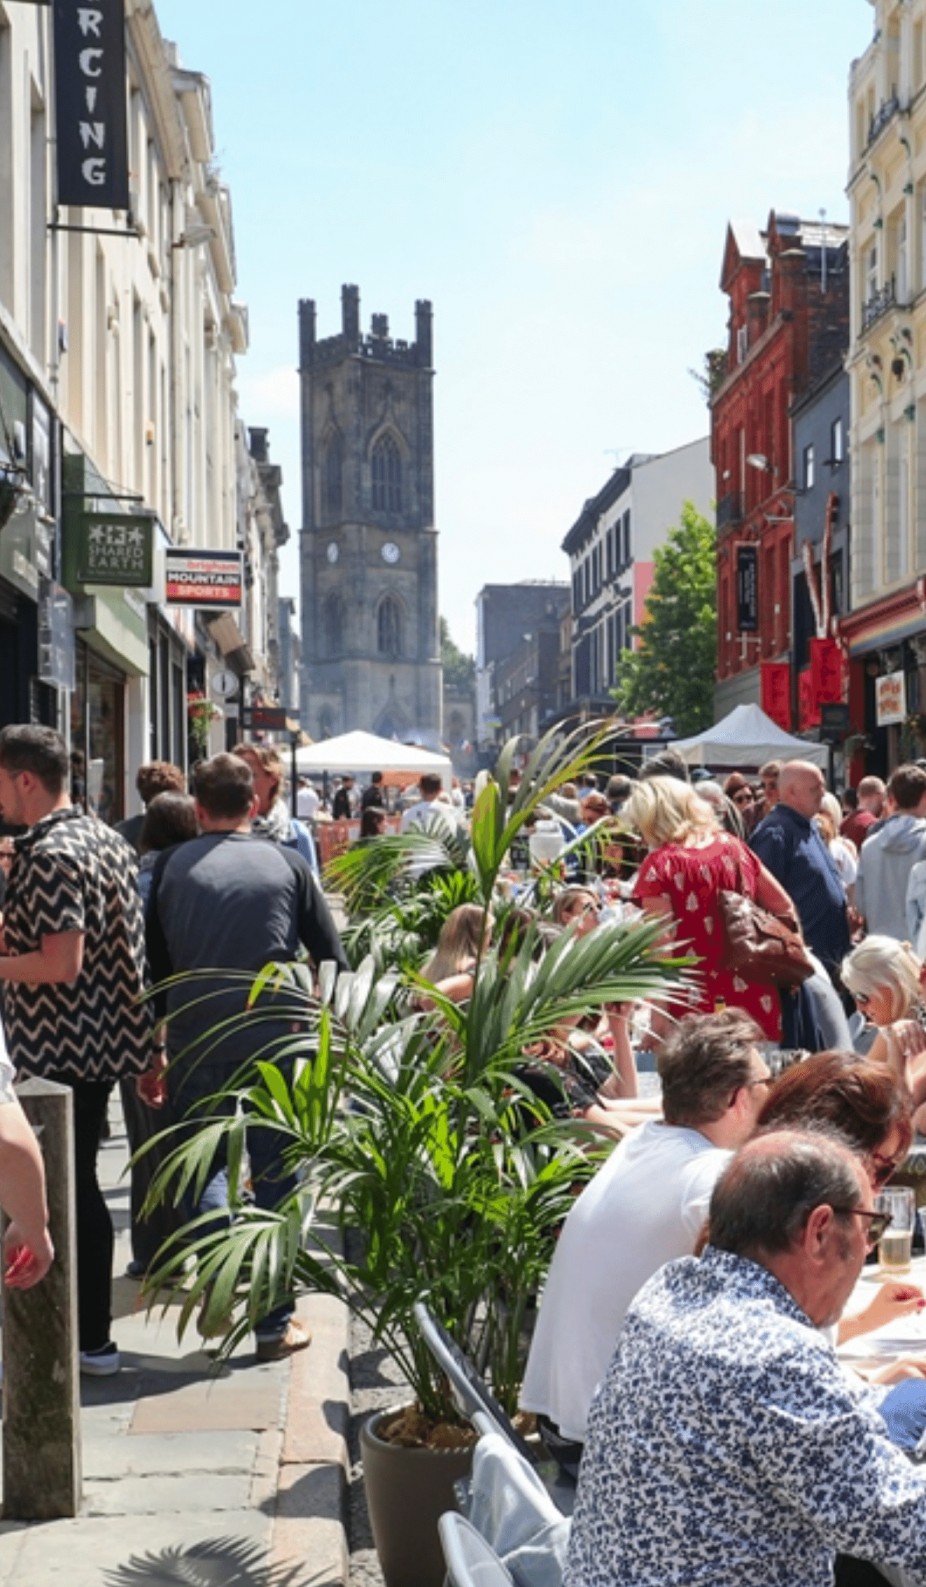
x,y
682,1362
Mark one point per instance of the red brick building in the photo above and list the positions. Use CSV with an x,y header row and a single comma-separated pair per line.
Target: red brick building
x,y
787,288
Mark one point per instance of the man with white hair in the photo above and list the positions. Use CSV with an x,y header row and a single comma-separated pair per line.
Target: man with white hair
x,y
790,846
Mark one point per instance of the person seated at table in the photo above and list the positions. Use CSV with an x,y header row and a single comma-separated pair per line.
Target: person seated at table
x,y
572,1074
645,1205
726,1444
884,977
463,939
872,1111
577,906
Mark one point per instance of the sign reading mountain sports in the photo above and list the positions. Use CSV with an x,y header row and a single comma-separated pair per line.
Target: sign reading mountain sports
x,y
202,578
115,548
90,99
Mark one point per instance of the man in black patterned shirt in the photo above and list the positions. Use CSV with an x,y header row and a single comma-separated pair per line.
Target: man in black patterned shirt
x,y
72,968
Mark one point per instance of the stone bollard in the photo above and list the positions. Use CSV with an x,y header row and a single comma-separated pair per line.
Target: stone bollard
x,y
41,1403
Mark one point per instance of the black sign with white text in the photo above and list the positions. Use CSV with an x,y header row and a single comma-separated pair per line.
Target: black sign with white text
x,y
747,589
90,94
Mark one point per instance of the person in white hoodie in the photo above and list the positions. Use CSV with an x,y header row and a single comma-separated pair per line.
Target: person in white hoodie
x,y
889,855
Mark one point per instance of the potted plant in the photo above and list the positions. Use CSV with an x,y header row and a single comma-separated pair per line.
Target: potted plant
x,y
455,1184
201,713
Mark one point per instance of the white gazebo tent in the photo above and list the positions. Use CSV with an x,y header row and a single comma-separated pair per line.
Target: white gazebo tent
x,y
365,752
747,737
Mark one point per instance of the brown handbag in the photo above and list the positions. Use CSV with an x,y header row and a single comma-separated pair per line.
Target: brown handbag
x,y
762,946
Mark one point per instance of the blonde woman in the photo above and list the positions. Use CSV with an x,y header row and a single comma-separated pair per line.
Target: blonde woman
x,y
690,861
883,976
843,852
464,936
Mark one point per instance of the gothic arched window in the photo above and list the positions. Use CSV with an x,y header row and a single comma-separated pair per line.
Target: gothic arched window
x,y
333,476
333,625
389,627
387,475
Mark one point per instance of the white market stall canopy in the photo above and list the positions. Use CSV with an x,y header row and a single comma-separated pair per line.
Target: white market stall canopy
x,y
747,737
365,752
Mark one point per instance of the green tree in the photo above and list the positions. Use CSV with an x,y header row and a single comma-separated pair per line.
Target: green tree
x,y
672,671
459,669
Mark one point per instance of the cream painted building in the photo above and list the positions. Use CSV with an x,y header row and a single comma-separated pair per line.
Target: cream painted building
x,y
118,338
885,631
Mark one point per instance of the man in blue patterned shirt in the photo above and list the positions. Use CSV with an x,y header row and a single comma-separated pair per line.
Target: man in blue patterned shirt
x,y
726,1445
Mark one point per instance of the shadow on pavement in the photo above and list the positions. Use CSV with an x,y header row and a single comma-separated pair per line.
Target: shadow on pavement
x,y
218,1562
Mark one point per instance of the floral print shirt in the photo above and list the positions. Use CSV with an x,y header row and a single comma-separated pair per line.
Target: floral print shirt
x,y
727,1446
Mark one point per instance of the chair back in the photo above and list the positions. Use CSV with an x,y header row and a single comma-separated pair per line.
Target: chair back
x,y
470,1561
512,1509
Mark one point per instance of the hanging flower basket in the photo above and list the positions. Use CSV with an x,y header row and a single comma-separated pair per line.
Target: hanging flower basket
x,y
201,713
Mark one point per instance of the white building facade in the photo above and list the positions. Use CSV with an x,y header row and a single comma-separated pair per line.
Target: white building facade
x,y
118,337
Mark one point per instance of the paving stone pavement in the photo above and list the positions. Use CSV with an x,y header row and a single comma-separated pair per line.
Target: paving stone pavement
x,y
231,1477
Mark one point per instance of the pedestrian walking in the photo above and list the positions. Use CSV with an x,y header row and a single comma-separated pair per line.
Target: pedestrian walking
x,y
72,969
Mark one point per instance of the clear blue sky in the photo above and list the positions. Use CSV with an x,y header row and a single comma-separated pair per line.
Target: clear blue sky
x,y
556,176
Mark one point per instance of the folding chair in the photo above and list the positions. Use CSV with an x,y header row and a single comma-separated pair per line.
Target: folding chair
x,y
474,1399
510,1506
469,1559
470,1393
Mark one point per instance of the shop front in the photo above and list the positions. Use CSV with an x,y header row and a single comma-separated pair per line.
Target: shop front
x,y
107,562
887,650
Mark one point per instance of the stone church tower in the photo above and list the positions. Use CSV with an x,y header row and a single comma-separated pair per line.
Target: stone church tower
x,y
368,547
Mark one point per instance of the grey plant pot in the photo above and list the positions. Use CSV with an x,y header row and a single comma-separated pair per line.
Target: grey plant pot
x,y
407,1490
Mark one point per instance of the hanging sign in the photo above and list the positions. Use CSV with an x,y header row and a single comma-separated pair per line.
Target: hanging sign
x,y
115,548
776,692
890,699
825,670
90,99
747,589
808,708
202,578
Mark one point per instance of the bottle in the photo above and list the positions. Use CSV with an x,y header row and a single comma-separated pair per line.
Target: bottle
x,y
720,1005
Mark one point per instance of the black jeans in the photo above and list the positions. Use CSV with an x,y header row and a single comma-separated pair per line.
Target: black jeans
x,y
94,1224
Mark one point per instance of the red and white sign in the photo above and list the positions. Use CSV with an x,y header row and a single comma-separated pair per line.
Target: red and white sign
x,y
203,578
890,699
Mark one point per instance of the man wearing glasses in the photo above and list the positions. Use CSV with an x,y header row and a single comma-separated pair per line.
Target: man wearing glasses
x,y
726,1444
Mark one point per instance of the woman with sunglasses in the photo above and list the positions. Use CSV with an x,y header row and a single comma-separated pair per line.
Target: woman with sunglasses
x,y
739,791
872,1110
885,978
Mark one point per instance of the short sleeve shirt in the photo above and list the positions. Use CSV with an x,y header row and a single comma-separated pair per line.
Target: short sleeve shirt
x,y
73,873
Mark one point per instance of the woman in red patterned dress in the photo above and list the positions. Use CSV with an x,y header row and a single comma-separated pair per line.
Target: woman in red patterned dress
x,y
690,861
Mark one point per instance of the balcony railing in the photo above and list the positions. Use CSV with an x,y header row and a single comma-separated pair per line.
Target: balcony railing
x,y
729,510
882,116
878,303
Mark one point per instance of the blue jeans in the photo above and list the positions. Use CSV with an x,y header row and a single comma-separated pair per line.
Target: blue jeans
x,y
189,1086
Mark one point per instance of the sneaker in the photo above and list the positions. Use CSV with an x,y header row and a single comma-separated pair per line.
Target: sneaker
x,y
100,1363
278,1346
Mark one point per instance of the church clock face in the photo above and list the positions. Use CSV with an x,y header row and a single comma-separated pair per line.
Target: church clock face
x,y
390,553
331,551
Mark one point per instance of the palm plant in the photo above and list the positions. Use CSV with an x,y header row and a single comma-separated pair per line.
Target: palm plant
x,y
411,1126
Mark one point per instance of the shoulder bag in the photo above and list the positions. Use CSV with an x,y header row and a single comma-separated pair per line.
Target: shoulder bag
x,y
762,946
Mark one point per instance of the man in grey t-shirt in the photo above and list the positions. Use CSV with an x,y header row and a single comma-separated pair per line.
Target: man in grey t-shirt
x,y
228,903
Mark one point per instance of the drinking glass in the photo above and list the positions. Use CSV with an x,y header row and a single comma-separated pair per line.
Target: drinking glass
x,y
895,1247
